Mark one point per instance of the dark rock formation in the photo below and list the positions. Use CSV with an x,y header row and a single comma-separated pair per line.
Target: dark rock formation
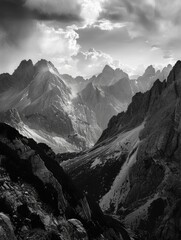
x,y
39,201
20,79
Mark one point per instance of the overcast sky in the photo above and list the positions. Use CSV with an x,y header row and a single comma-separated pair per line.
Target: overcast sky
x,y
81,36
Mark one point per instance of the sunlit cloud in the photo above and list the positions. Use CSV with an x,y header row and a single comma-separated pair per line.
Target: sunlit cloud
x,y
119,32
90,10
104,24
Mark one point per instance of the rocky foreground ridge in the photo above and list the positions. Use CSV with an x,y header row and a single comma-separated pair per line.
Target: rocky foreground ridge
x,y
39,201
136,163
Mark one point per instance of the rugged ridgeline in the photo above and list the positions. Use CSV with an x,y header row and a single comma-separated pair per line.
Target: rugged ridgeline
x,y
105,95
134,169
145,82
108,76
39,201
68,114
106,101
40,104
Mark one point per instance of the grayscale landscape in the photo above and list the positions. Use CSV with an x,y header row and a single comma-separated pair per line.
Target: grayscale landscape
x,y
90,120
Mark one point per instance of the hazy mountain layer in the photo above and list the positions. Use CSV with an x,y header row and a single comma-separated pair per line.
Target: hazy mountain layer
x,y
145,82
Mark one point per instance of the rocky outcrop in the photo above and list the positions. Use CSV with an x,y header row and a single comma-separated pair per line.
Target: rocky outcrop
x,y
145,190
6,229
38,200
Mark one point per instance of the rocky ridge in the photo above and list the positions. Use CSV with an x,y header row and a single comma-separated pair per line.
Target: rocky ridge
x,y
69,114
137,162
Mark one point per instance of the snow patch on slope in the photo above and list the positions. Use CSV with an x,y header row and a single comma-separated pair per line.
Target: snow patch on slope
x,y
96,162
120,186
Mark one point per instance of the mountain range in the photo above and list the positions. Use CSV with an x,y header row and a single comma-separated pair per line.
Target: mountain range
x,y
69,114
125,165
133,170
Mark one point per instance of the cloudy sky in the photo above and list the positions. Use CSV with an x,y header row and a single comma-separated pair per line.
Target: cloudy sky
x,y
81,36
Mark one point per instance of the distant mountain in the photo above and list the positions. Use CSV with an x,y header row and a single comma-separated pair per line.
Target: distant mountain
x,y
145,82
76,84
38,200
108,76
106,101
134,168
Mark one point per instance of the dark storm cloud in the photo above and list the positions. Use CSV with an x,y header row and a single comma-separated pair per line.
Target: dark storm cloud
x,y
14,21
18,17
140,13
20,9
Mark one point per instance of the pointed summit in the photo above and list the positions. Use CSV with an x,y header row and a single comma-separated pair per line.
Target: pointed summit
x,y
107,68
41,65
150,71
24,64
109,76
44,66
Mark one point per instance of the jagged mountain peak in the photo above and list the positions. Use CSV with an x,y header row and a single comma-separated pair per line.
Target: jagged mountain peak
x,y
108,76
150,70
42,62
25,65
44,66
107,68
20,78
169,65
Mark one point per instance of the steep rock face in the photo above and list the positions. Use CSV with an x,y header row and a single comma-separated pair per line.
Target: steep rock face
x,y
12,86
46,108
136,112
144,146
38,200
106,101
48,97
